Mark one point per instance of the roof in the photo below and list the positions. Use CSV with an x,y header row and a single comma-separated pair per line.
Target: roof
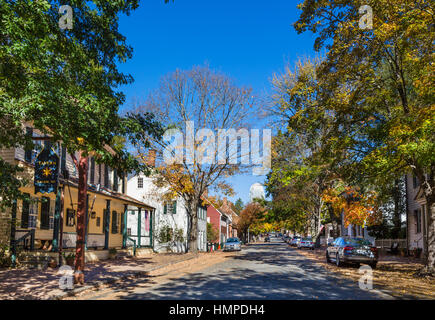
x,y
108,193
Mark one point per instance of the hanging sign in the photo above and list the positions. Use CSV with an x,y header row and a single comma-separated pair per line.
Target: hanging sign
x,y
46,171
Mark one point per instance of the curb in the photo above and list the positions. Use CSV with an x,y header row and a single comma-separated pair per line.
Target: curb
x,y
98,284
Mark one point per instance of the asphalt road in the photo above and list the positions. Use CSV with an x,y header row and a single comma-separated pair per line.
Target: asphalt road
x,y
265,271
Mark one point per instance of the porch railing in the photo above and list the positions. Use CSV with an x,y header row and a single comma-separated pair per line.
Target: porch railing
x,y
29,235
134,245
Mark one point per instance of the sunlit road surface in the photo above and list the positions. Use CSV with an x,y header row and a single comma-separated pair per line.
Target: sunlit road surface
x,y
263,271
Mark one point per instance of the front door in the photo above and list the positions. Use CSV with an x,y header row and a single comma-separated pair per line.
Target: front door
x,y
45,213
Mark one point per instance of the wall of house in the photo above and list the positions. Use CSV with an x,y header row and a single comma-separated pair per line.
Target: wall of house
x,y
202,229
7,155
415,238
214,218
152,195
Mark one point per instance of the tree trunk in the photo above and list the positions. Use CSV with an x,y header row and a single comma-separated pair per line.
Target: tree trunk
x,y
397,223
430,262
81,215
193,228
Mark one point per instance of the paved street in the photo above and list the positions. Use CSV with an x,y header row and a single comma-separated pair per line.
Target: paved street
x,y
262,271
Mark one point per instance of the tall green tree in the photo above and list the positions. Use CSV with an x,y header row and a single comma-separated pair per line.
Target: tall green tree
x,y
66,82
238,206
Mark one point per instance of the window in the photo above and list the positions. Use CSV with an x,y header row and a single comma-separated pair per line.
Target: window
x,y
417,215
25,212
415,181
170,207
98,222
45,213
139,183
33,212
70,218
115,222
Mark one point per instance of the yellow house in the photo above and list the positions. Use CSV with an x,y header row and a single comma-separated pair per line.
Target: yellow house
x,y
108,204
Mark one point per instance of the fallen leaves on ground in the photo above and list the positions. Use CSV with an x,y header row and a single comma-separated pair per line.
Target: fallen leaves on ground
x,y
396,275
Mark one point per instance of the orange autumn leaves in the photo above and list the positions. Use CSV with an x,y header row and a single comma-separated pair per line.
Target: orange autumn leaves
x,y
358,208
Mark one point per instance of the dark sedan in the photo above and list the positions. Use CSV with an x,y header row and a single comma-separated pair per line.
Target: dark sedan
x,y
353,251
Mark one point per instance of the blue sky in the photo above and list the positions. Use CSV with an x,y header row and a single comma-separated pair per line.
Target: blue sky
x,y
248,40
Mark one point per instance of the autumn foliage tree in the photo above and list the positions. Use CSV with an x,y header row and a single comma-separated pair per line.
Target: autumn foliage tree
x,y
378,84
252,215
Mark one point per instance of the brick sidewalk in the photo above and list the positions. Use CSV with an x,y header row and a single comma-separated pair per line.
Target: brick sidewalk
x,y
32,284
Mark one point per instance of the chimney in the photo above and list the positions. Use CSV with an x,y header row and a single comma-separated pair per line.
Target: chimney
x,y
225,204
151,158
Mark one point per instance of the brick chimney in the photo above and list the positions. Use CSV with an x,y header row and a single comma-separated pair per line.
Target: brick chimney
x,y
151,158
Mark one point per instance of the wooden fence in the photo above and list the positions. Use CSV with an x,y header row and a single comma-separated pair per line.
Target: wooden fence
x,y
386,243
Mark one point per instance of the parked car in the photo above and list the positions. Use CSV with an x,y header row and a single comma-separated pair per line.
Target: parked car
x,y
306,243
233,244
267,239
353,251
294,241
286,238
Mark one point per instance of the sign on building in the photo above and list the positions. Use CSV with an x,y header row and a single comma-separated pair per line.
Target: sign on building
x,y
46,171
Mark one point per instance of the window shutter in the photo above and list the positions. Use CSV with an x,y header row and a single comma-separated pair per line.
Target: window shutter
x,y
92,168
63,160
174,207
115,180
28,152
114,222
165,208
25,212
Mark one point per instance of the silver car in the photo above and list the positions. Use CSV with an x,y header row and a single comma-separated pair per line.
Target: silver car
x,y
233,244
306,243
352,250
294,242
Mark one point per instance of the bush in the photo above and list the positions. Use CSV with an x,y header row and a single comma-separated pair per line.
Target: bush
x,y
166,234
212,234
5,259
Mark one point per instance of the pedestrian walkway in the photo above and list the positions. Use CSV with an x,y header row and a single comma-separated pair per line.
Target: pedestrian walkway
x,y
26,284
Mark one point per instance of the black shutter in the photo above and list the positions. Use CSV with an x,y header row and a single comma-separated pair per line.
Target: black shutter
x,y
106,176
114,222
28,152
45,213
25,212
115,180
92,175
63,161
